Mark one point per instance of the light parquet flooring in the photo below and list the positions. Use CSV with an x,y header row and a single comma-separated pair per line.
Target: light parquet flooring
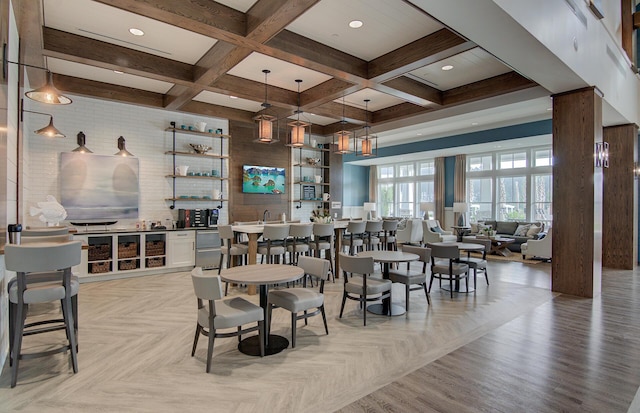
x,y
136,334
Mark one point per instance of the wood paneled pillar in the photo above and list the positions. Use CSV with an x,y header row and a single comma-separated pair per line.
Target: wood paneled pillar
x,y
620,196
577,194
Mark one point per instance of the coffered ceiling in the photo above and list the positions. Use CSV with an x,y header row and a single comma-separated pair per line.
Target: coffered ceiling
x,y
207,57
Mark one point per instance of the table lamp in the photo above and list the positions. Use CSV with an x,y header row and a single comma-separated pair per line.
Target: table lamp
x,y
461,208
369,208
427,208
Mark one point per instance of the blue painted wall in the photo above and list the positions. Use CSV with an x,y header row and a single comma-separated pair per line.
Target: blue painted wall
x,y
355,189
356,178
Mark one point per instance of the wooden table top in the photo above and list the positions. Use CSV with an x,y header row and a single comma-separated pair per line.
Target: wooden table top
x,y
389,256
257,274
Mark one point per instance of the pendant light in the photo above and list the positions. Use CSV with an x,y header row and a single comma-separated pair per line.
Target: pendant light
x,y
342,138
81,141
123,150
298,127
368,142
265,121
49,131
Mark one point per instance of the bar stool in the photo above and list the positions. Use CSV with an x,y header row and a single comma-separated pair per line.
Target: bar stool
x,y
31,261
274,237
372,234
389,241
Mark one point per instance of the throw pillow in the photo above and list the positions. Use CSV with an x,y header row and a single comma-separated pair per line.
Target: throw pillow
x,y
437,229
522,230
402,224
533,231
482,227
474,228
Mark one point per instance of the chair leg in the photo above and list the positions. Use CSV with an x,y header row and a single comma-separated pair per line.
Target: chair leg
x,y
220,264
21,315
430,284
212,336
450,284
426,293
239,335
324,319
406,296
364,307
74,311
294,317
306,323
12,329
68,322
486,276
195,339
344,300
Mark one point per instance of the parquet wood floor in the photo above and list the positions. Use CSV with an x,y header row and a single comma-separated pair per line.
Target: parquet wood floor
x,y
135,339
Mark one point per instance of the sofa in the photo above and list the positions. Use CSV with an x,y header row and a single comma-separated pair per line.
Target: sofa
x,y
507,229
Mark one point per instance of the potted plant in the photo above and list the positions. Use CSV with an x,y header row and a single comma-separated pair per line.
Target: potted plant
x,y
321,216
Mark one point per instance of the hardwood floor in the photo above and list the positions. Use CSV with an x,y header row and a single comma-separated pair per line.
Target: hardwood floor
x,y
512,346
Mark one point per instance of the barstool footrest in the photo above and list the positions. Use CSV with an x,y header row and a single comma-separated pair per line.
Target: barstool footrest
x,y
63,349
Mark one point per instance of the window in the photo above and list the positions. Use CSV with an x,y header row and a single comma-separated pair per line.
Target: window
x,y
427,168
542,157
385,192
512,198
542,196
402,187
406,199
513,160
479,194
479,163
405,170
386,172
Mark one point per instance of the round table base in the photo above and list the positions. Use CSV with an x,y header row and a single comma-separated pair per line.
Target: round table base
x,y
251,345
379,309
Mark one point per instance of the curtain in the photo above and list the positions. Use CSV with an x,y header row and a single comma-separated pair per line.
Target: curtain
x,y
373,183
438,188
460,182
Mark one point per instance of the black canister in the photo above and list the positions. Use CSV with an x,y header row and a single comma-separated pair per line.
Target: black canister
x,y
14,231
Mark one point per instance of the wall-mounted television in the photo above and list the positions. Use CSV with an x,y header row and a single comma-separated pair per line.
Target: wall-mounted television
x,y
263,179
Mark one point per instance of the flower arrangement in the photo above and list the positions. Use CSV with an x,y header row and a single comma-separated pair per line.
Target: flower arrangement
x,y
321,216
488,232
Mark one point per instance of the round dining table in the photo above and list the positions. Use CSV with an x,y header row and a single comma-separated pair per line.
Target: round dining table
x,y
462,246
386,258
262,275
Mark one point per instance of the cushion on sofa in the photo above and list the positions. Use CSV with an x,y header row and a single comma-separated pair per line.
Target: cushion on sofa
x,y
534,230
522,230
504,227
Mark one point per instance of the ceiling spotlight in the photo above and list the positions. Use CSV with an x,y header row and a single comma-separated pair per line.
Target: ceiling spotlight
x,y
136,32
447,67
120,72
355,24
474,123
233,97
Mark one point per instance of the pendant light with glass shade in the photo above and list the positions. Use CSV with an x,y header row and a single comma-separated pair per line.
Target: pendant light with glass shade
x,y
298,127
342,138
265,121
368,143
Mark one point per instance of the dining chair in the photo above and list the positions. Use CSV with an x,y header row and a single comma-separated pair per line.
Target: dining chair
x,y
302,299
53,261
298,241
230,249
389,241
358,283
410,277
354,237
477,263
373,230
444,265
323,241
273,242
218,313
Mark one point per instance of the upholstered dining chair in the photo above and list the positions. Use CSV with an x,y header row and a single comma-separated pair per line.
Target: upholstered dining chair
x,y
298,242
302,299
358,283
477,263
216,313
410,277
444,265
373,232
50,264
323,235
273,246
354,237
230,249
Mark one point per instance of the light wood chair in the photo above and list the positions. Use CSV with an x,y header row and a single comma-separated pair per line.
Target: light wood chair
x,y
50,265
302,299
217,313
358,284
410,277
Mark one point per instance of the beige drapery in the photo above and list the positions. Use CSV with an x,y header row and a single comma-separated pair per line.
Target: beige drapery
x,y
460,182
373,183
438,189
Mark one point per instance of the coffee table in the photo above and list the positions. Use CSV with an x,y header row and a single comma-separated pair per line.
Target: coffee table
x,y
499,246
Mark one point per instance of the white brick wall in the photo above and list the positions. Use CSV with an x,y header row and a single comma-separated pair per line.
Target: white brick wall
x,y
103,122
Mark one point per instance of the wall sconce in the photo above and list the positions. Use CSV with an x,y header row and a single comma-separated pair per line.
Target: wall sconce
x,y
636,170
49,131
81,140
46,94
123,150
602,154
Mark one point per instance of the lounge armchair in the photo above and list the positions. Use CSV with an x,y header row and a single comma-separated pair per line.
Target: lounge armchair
x,y
433,232
540,248
411,233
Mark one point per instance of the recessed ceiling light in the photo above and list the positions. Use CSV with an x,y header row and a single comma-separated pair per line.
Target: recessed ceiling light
x,y
549,109
355,24
419,134
136,32
474,123
447,67
118,72
233,97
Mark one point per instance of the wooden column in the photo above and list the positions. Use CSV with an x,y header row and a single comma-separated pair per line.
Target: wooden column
x,y
577,194
620,196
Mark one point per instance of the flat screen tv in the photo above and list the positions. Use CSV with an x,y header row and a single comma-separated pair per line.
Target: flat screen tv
x,y
263,179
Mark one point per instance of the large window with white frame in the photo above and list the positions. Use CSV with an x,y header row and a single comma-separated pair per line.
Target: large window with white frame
x,y
513,185
402,187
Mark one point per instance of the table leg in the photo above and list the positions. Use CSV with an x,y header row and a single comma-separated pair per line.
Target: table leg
x,y
337,244
387,307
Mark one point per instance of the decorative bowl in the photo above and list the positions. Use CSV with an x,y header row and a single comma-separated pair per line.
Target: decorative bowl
x,y
313,161
201,149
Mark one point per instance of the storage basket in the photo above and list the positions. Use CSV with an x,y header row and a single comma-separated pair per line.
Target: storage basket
x,y
155,262
99,267
127,250
154,248
127,265
99,252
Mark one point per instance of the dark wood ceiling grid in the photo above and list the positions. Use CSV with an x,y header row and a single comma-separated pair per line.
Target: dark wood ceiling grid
x,y
262,30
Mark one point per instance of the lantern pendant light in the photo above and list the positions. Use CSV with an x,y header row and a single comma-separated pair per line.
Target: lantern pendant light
x,y
298,127
265,121
342,138
368,142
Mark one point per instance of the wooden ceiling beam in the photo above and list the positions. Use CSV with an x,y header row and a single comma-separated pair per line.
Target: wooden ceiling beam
x,y
422,52
249,89
223,112
412,91
335,110
483,89
326,92
30,26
